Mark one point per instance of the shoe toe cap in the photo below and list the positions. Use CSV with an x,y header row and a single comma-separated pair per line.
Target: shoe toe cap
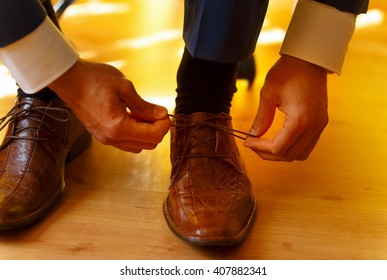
x,y
212,227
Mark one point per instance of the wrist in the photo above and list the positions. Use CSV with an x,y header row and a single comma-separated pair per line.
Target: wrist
x,y
65,85
300,63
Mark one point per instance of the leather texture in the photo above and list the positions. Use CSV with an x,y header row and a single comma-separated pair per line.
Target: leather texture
x,y
40,138
211,201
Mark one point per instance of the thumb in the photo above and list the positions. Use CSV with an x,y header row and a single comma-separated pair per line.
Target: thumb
x,y
265,115
148,112
139,108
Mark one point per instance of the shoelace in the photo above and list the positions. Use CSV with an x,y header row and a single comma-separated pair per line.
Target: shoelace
x,y
232,131
18,113
195,125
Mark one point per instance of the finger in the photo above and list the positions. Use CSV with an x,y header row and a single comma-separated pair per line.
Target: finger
x,y
281,142
131,146
300,150
271,157
305,144
140,109
309,148
148,132
129,130
265,115
134,147
130,150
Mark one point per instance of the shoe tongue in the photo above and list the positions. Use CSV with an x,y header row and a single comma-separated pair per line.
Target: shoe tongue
x,y
204,141
28,118
202,117
203,138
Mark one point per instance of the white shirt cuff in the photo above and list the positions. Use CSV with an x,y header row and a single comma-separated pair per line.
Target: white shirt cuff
x,y
319,34
39,58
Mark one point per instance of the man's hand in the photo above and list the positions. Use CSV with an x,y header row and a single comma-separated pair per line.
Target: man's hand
x,y
299,90
110,108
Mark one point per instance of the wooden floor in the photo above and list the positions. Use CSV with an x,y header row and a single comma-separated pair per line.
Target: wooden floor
x,y
333,206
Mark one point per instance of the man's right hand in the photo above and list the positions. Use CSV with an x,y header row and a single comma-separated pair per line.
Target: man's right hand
x,y
110,108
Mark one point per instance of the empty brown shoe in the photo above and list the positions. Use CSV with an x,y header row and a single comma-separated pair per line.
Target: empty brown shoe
x,y
40,138
210,201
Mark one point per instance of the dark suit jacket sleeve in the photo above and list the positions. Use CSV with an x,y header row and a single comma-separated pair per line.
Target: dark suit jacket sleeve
x,y
351,6
18,18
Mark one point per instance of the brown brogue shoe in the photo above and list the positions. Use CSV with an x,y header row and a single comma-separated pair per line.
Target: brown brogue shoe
x,y
40,137
210,202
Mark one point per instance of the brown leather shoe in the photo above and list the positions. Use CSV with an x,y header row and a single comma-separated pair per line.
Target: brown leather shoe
x,y
39,139
211,201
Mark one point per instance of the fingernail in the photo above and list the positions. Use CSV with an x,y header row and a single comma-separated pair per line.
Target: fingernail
x,y
252,131
160,112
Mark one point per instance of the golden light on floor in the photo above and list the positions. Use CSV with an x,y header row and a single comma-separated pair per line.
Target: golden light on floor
x,y
149,40
93,8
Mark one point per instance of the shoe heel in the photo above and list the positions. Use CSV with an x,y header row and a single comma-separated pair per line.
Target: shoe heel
x,y
81,144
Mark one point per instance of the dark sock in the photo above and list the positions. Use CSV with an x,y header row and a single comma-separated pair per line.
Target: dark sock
x,y
204,86
45,94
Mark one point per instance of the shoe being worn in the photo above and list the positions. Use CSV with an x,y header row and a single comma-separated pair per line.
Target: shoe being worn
x,y
210,202
40,138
